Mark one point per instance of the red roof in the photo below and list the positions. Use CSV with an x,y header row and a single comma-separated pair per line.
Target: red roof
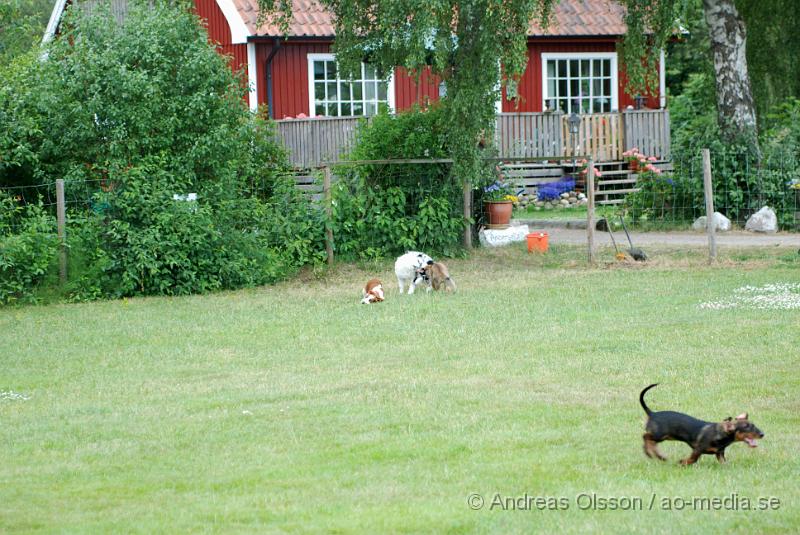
x,y
570,18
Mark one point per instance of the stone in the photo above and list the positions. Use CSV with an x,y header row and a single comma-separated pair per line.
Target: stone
x,y
581,196
565,195
721,223
501,237
764,220
564,202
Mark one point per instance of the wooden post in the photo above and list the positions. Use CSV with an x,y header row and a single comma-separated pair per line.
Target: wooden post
x,y
326,190
61,219
467,215
709,194
590,209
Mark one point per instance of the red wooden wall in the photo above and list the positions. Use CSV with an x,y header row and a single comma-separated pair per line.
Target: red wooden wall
x,y
407,91
219,33
290,79
530,87
290,69
289,76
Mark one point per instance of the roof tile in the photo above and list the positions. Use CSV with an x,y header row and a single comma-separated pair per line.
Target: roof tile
x,y
570,18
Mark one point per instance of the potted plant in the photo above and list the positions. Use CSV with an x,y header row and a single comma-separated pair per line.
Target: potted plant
x,y
584,169
636,159
498,203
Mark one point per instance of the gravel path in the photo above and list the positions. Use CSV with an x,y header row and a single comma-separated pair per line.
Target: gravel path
x,y
692,239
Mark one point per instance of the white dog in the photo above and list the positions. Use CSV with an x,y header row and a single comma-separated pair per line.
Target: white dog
x,y
407,268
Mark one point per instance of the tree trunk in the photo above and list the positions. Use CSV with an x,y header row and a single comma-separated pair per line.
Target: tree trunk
x,y
735,109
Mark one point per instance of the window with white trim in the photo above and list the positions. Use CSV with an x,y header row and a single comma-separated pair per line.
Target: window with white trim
x,y
331,96
580,83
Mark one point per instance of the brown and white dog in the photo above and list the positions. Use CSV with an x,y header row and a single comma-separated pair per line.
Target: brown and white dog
x,y
373,292
438,277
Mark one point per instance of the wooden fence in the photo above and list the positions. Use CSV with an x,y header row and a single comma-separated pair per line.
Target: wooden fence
x,y
529,135
649,131
313,141
518,135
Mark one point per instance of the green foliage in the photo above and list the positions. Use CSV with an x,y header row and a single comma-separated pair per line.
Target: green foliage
x,y
152,87
742,185
650,25
693,116
28,246
782,130
21,120
136,114
22,24
146,242
380,210
773,46
463,42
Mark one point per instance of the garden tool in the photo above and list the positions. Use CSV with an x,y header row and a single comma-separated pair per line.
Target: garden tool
x,y
635,252
618,256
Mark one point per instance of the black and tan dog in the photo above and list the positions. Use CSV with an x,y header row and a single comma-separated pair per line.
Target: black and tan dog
x,y
703,437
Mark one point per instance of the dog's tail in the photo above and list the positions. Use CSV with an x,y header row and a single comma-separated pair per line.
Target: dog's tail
x,y
641,399
451,283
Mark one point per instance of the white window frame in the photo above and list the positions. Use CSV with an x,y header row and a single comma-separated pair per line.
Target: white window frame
x,y
545,56
311,58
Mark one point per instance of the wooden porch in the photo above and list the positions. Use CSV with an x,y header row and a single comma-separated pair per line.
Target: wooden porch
x,y
518,135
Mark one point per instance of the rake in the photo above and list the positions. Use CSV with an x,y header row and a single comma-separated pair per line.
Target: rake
x,y
637,254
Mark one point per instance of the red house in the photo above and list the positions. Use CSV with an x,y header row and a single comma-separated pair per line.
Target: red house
x,y
573,64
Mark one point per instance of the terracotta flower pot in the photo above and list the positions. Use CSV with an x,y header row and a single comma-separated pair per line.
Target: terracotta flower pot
x,y
633,165
498,213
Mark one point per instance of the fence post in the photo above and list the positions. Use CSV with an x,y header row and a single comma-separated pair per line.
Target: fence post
x,y
326,190
61,219
709,194
467,214
590,209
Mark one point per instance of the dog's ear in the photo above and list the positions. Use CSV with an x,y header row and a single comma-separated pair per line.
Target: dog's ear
x,y
742,416
728,425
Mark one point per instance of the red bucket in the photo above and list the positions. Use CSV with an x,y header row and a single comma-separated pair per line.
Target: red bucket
x,y
537,241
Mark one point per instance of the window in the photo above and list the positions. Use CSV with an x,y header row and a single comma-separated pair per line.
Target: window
x,y
331,96
580,83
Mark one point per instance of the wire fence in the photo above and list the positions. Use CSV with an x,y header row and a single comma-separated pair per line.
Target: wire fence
x,y
742,186
382,205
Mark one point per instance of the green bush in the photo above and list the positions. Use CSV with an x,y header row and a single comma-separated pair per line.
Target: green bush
x,y
131,115
381,210
146,242
28,247
743,183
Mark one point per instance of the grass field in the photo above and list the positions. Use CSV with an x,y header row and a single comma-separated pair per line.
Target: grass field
x,y
294,409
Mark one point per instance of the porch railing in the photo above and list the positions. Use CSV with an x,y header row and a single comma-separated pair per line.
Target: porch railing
x,y
518,135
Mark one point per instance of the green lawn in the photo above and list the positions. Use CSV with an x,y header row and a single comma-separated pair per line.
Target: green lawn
x,y
294,409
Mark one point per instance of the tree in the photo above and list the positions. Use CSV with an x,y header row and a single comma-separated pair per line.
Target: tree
x,y
22,24
651,22
465,42
772,51
131,115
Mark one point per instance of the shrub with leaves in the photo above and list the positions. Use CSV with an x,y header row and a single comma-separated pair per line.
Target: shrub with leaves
x,y
380,210
133,115
28,247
